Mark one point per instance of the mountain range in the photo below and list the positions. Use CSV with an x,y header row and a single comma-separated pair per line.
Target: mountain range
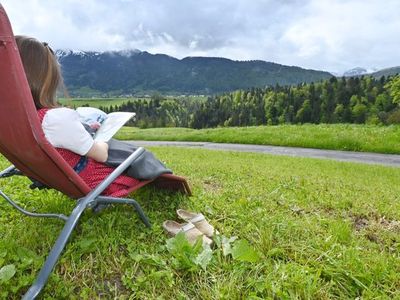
x,y
373,72
134,72
386,72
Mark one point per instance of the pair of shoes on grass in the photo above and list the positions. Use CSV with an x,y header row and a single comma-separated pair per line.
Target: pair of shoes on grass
x,y
196,225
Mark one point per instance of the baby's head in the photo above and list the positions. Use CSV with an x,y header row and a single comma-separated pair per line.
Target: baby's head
x,y
42,70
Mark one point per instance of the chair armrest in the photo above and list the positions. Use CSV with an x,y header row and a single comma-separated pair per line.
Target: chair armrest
x,y
10,171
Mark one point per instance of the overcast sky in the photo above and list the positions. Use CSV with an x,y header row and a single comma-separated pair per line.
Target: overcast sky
x,y
334,35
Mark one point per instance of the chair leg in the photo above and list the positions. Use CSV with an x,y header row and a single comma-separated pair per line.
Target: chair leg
x,y
31,214
55,252
87,202
136,205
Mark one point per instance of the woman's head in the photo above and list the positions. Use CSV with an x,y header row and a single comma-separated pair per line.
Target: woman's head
x,y
42,70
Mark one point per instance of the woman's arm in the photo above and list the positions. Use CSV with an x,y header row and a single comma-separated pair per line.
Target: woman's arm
x,y
99,151
63,129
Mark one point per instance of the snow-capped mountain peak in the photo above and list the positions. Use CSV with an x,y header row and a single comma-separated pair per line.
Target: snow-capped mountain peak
x,y
358,71
61,53
355,72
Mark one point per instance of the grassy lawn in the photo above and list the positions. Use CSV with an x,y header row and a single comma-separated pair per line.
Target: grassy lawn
x,y
350,137
104,102
305,228
107,102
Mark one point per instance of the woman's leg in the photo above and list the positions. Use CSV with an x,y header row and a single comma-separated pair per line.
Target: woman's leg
x,y
146,167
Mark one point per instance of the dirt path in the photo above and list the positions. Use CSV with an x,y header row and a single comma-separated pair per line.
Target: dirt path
x,y
361,157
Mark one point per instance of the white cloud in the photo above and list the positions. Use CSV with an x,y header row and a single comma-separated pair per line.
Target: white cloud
x,y
331,35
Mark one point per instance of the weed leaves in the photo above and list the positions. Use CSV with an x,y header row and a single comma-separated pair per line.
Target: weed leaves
x,y
186,256
242,251
6,273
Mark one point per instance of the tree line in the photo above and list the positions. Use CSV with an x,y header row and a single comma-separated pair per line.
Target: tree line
x,y
363,100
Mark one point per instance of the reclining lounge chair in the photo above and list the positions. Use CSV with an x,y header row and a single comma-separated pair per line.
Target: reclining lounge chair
x,y
23,143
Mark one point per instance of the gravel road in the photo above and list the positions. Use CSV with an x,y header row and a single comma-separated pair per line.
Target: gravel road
x,y
360,157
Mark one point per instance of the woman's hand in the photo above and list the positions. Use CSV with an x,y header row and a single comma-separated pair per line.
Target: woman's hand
x,y
99,151
95,125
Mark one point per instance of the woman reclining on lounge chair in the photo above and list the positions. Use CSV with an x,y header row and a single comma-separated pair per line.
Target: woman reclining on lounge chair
x,y
92,160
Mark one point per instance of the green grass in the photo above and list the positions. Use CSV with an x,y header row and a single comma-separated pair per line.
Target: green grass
x,y
97,102
365,138
322,230
348,137
107,102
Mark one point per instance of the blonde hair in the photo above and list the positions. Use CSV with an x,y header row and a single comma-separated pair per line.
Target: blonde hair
x,y
42,70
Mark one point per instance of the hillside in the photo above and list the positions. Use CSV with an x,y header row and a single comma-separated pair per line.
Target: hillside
x,y
137,72
358,72
386,72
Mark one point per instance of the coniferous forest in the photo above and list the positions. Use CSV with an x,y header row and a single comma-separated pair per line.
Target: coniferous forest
x,y
362,100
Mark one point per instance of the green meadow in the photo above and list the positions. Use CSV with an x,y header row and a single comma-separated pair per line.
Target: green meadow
x,y
97,102
349,137
289,228
107,102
